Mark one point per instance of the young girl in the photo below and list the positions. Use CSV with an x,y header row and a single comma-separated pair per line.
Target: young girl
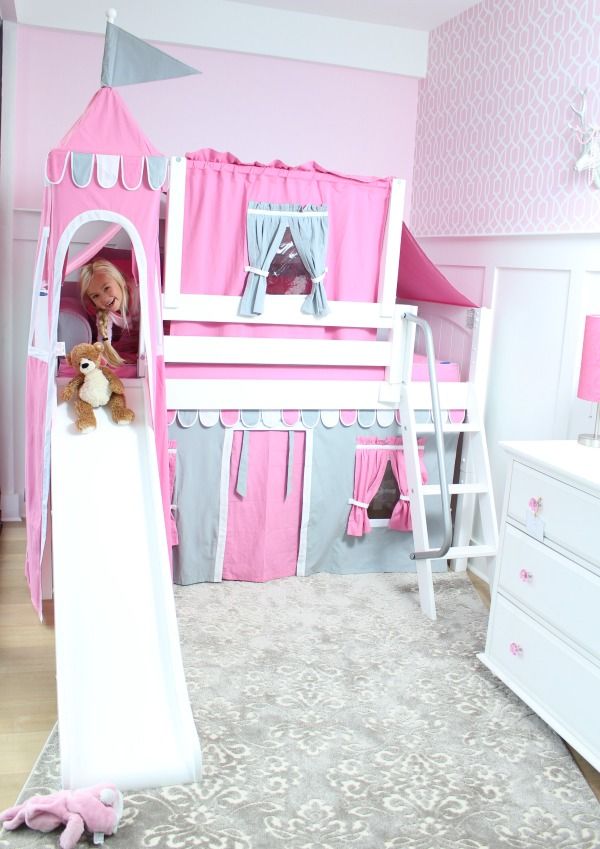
x,y
114,302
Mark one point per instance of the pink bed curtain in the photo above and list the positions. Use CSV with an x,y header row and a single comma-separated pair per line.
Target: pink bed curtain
x,y
264,505
371,459
219,190
400,519
172,473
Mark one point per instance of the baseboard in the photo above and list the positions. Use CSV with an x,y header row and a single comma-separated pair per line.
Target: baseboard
x,y
9,503
477,571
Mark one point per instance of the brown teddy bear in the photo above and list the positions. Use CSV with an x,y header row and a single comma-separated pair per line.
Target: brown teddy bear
x,y
96,386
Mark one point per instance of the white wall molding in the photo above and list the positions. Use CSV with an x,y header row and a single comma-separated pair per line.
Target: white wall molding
x,y
540,289
244,28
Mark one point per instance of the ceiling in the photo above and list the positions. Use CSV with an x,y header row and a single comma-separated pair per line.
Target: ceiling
x,y
411,14
379,35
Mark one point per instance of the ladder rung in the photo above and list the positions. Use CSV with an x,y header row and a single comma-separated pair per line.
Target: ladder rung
x,y
470,551
456,488
464,427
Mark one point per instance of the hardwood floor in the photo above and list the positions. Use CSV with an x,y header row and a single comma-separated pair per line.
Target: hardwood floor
x,y
27,672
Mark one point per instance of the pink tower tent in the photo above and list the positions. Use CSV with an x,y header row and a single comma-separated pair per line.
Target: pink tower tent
x,y
103,170
109,488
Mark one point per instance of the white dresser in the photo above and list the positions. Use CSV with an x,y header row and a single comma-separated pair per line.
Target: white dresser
x,y
543,636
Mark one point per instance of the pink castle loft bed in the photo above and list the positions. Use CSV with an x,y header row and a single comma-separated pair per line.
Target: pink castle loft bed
x,y
286,363
285,422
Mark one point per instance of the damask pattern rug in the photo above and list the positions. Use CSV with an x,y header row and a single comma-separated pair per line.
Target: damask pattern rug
x,y
334,715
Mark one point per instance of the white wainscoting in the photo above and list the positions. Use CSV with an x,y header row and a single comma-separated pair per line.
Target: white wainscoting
x,y
540,289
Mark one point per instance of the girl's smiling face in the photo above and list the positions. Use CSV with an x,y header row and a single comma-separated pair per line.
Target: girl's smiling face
x,y
104,292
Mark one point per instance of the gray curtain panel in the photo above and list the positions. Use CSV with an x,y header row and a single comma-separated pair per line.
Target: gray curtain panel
x,y
264,234
310,237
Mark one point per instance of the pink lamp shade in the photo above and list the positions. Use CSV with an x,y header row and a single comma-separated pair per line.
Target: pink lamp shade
x,y
589,376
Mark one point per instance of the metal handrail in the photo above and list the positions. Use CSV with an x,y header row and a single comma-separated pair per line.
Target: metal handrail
x,y
439,444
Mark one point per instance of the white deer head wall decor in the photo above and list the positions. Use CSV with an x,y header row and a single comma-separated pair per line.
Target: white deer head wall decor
x,y
588,136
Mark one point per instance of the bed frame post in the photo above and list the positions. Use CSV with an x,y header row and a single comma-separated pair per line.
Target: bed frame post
x,y
471,456
174,231
388,276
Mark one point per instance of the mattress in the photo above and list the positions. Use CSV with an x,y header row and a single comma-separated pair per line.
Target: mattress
x,y
445,371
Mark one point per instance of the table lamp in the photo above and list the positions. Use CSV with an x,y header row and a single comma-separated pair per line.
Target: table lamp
x,y
589,376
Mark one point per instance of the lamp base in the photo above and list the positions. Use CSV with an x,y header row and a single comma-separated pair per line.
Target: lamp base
x,y
590,440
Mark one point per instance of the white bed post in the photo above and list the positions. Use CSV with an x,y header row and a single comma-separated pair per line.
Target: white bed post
x,y
415,493
474,463
388,275
402,343
174,231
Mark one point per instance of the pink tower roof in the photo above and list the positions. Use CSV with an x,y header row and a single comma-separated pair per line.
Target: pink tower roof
x,y
107,127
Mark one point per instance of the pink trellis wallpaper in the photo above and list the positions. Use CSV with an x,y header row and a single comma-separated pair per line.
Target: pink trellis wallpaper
x,y
494,152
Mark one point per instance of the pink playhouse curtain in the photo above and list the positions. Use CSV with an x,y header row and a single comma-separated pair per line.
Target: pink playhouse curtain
x,y
36,471
369,469
371,459
400,519
172,474
38,412
264,505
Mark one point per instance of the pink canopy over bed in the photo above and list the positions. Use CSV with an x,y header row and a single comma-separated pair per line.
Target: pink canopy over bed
x,y
240,218
225,196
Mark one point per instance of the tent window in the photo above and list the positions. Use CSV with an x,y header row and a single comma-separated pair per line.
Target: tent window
x,y
373,458
266,228
287,274
386,497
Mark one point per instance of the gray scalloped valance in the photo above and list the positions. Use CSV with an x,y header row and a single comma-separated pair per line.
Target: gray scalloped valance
x,y
109,169
283,419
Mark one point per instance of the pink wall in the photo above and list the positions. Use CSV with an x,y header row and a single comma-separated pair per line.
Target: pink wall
x,y
494,151
258,108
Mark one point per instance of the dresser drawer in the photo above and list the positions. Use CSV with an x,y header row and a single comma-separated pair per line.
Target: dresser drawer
x,y
571,517
556,589
556,682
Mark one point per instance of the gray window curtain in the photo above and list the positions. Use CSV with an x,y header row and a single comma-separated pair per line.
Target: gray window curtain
x,y
264,234
310,237
266,224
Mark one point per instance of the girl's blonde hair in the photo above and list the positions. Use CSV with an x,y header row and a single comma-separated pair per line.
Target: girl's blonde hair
x,y
86,275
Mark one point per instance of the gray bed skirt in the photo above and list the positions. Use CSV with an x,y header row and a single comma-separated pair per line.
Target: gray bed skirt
x,y
330,465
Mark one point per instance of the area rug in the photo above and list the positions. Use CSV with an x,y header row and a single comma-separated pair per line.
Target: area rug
x,y
334,715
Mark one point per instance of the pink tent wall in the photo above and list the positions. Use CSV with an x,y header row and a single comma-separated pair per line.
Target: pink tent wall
x,y
308,114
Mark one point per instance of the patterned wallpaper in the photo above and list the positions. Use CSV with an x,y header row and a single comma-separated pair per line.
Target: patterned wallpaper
x,y
494,152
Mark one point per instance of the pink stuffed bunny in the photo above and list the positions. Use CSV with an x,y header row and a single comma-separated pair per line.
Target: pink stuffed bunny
x,y
95,809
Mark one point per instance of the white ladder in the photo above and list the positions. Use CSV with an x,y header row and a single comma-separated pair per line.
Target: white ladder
x,y
473,490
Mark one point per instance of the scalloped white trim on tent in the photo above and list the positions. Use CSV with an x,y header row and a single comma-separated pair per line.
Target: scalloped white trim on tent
x,y
278,419
109,168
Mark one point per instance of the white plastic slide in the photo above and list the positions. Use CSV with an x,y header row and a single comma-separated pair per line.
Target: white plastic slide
x,y
123,709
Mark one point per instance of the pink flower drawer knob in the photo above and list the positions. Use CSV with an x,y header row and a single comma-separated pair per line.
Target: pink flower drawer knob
x,y
535,504
515,649
525,576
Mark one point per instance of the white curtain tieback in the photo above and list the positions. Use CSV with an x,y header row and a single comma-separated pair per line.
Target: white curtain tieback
x,y
357,503
261,272
320,277
404,498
